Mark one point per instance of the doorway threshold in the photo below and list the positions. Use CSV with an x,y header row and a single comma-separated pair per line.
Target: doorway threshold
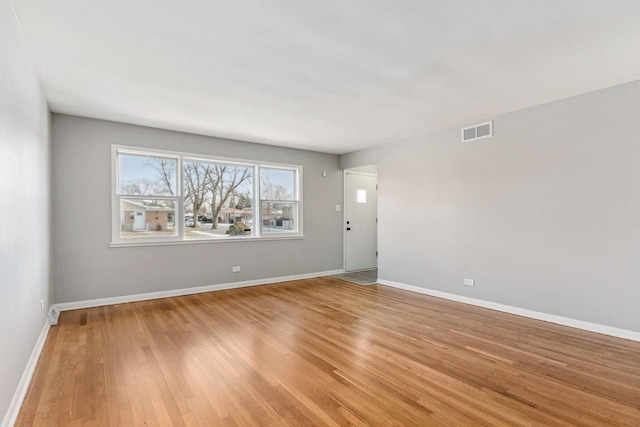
x,y
363,277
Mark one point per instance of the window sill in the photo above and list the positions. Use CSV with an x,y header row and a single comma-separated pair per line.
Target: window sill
x,y
204,241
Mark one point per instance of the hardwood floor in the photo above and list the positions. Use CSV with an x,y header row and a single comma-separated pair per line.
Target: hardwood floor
x,y
326,352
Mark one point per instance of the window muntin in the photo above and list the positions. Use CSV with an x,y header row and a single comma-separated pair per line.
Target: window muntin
x,y
162,197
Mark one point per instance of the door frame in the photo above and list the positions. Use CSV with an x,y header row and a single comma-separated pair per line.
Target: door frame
x,y
365,170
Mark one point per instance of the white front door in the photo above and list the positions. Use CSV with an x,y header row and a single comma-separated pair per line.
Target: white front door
x,y
360,216
139,221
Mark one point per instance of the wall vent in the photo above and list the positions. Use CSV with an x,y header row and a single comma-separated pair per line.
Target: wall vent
x,y
475,132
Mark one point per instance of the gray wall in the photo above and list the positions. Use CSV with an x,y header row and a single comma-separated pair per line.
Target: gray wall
x,y
24,207
544,216
87,268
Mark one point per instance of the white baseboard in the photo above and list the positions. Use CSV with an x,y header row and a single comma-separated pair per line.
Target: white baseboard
x,y
25,380
186,291
565,321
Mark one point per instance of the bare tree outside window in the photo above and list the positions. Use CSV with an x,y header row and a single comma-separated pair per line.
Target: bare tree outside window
x,y
243,201
166,169
225,182
197,187
147,175
271,191
211,198
144,186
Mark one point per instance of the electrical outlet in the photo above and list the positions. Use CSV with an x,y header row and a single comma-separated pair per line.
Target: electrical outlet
x,y
469,282
236,269
337,208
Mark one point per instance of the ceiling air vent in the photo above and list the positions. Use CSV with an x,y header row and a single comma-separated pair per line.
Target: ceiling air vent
x,y
481,131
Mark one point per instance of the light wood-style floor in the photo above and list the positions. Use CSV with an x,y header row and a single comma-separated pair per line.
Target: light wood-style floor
x,y
326,352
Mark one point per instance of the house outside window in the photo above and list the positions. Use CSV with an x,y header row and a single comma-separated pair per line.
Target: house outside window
x,y
162,197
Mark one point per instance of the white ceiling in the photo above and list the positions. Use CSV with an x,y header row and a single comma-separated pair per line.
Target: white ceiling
x,y
333,75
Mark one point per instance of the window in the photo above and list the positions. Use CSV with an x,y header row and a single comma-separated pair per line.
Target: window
x,y
162,197
279,200
146,196
218,199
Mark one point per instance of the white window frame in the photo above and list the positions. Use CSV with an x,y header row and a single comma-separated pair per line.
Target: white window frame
x,y
296,198
257,234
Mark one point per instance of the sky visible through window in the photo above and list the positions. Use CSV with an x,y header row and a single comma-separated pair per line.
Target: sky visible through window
x,y
134,168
